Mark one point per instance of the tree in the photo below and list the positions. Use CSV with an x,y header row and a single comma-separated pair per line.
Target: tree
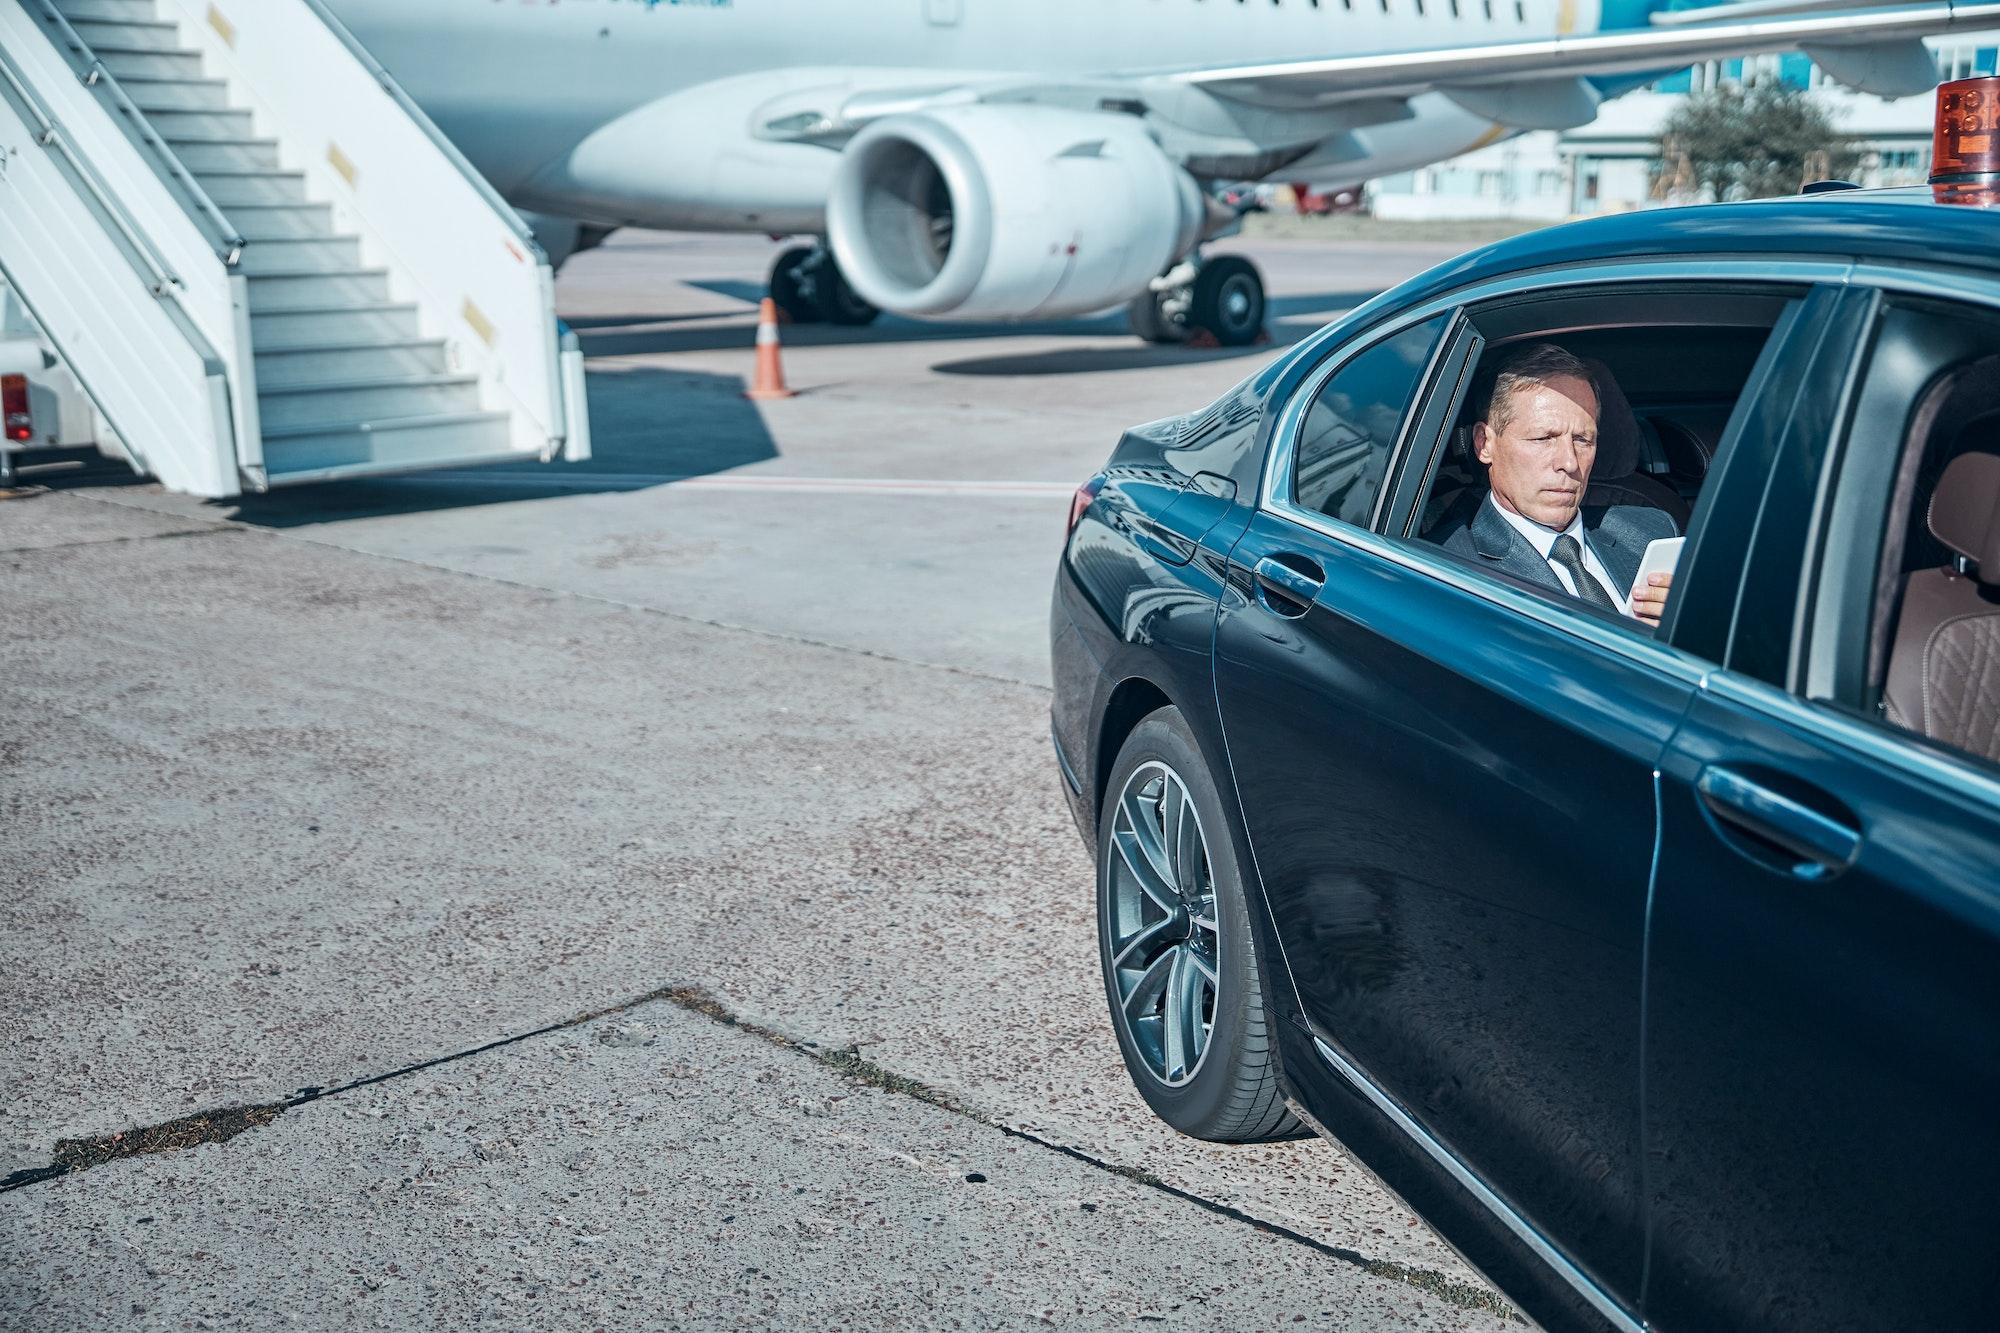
x,y
1738,142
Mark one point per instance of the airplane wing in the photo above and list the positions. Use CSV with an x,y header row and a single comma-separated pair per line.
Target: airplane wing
x,y
1871,47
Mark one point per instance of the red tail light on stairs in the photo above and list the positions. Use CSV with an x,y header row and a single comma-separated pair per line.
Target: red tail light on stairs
x,y
20,423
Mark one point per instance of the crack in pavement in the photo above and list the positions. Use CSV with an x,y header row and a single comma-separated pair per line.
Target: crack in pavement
x,y
211,531
222,1124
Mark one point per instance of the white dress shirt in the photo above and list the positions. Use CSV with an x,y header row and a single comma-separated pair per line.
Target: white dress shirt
x,y
1544,540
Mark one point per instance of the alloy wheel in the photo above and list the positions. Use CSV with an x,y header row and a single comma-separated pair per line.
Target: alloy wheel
x,y
1161,929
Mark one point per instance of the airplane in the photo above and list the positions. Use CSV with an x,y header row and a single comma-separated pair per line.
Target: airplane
x,y
1033,159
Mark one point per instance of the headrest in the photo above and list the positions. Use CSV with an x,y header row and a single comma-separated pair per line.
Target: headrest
x,y
1965,511
1617,426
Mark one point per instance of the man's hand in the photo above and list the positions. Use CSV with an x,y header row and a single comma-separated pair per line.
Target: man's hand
x,y
1650,602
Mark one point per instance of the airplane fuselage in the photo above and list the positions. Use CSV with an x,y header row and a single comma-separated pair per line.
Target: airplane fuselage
x,y
637,112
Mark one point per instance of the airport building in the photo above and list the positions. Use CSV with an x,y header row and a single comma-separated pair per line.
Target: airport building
x,y
1609,165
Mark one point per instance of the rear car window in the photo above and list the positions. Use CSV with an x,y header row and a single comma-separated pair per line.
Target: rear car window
x,y
1351,429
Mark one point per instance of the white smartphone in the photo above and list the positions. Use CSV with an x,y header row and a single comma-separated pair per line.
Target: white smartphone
x,y
1660,558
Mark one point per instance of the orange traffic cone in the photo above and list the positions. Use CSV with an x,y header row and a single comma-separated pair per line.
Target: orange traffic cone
x,y
769,381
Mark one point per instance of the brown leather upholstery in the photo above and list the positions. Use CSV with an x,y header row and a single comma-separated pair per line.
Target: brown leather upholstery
x,y
1944,669
1965,509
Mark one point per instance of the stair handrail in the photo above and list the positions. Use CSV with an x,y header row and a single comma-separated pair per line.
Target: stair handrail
x,y
380,73
223,236
131,239
159,275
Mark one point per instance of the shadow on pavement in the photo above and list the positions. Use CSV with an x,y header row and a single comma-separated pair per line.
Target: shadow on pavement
x,y
1291,318
644,422
642,335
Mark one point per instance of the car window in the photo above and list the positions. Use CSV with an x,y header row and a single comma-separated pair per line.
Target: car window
x,y
1655,381
1907,616
1351,429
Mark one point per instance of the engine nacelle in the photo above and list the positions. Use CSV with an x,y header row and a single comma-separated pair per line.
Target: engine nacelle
x,y
986,212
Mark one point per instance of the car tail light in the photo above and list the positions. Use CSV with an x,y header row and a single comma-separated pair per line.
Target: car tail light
x,y
1079,504
1965,142
20,425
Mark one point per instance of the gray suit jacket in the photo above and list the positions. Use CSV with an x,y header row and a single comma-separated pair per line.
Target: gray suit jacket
x,y
1617,533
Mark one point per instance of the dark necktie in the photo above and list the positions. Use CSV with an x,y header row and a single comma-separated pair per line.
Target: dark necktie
x,y
1568,556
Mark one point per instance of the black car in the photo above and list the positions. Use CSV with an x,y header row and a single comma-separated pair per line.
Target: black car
x,y
1659,970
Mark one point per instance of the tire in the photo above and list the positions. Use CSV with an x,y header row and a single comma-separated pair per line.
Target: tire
x,y
1230,1094
839,304
1151,324
792,288
1229,300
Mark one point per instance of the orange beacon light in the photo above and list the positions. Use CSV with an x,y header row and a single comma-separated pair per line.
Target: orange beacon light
x,y
1965,143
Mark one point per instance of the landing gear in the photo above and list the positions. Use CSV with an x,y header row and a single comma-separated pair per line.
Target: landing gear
x,y
808,286
1229,301
1159,317
1222,298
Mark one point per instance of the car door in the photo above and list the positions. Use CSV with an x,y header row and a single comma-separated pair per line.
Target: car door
x,y
1823,995
1447,781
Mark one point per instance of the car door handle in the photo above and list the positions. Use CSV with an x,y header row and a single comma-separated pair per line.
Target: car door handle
x,y
1817,844
1285,588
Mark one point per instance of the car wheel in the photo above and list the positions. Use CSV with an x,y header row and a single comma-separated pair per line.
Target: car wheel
x,y
1229,300
1180,967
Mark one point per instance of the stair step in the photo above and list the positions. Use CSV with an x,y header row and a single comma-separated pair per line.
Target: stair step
x,y
310,290
231,187
150,64
373,447
384,359
228,126
151,94
303,328
129,11
299,406
320,254
151,34
200,155
282,222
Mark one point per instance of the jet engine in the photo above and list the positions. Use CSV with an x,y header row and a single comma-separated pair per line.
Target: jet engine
x,y
992,212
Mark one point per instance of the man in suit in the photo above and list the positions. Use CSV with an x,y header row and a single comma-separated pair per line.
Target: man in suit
x,y
1538,440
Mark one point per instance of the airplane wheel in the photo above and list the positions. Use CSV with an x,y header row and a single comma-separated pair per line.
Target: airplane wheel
x,y
794,288
1229,300
1150,322
838,302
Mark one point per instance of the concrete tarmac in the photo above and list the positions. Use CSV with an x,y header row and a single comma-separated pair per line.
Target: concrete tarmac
x,y
733,733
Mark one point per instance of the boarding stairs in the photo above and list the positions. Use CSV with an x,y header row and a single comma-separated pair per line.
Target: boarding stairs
x,y
334,292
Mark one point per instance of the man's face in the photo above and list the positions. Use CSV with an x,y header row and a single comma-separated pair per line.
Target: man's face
x,y
1539,462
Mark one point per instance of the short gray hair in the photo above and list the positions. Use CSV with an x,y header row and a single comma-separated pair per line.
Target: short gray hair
x,y
1537,363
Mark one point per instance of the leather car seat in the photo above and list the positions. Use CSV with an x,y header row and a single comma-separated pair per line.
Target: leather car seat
x,y
1944,668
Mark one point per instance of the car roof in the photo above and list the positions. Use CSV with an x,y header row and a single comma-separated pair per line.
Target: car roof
x,y
1893,226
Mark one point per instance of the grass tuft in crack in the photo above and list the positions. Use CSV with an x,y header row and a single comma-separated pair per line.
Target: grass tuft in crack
x,y
217,1126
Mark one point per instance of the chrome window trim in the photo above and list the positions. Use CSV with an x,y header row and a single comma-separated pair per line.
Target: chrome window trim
x,y
1557,1261
1278,459
1943,283
1274,493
